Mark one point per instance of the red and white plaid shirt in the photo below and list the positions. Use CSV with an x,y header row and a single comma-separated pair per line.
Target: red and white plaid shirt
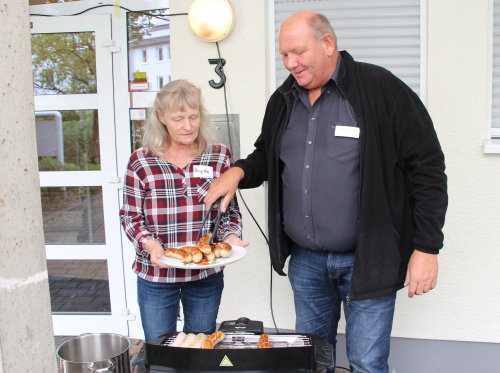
x,y
163,201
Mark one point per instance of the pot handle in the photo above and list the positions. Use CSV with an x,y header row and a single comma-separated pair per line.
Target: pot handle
x,y
109,368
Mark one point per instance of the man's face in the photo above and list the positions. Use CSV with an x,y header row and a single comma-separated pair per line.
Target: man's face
x,y
306,57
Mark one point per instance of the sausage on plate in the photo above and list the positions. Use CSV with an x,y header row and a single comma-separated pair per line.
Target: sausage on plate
x,y
179,254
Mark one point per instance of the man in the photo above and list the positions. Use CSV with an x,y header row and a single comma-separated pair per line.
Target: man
x,y
357,189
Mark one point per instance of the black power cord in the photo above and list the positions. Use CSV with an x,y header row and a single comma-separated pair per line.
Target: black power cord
x,y
243,199
227,122
113,5
249,211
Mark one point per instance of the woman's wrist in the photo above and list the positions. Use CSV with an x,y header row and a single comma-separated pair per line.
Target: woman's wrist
x,y
150,244
227,235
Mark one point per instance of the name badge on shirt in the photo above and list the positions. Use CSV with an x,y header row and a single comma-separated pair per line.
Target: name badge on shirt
x,y
205,172
347,131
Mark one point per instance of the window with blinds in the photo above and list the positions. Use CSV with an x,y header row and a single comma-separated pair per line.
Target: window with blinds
x,y
495,109
383,32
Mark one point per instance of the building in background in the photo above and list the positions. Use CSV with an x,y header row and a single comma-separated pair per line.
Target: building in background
x,y
151,55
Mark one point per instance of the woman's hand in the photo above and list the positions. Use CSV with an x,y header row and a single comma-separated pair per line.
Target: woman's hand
x,y
155,250
235,240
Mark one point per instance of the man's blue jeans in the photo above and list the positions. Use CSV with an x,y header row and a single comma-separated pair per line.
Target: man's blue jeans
x,y
159,302
320,283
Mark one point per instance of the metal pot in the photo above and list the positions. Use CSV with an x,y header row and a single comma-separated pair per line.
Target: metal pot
x,y
95,353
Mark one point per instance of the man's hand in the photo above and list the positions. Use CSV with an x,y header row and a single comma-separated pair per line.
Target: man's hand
x,y
422,273
224,186
155,250
235,240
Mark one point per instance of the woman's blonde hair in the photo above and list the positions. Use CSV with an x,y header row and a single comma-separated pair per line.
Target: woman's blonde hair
x,y
174,96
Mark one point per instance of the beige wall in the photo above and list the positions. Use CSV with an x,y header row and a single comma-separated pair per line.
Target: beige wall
x,y
246,290
465,304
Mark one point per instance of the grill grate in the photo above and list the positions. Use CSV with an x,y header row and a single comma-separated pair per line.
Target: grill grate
x,y
249,341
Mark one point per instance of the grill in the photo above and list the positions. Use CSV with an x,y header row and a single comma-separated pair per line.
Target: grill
x,y
246,341
291,353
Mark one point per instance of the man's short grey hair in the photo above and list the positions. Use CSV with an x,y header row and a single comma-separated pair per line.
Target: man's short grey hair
x,y
321,25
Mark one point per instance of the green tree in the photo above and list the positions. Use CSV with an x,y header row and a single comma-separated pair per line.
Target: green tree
x,y
64,63
140,24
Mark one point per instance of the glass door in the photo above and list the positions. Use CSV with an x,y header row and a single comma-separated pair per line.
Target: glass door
x,y
140,68
75,126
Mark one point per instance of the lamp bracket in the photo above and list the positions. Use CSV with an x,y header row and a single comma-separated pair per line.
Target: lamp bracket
x,y
220,62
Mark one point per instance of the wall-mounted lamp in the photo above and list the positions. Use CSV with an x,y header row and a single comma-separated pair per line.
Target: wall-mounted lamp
x,y
211,20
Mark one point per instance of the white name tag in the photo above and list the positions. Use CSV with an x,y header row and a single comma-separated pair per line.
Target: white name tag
x,y
347,131
205,172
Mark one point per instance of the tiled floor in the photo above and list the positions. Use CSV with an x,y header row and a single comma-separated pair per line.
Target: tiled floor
x,y
79,286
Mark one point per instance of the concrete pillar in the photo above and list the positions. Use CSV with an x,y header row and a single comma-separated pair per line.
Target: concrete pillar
x,y
26,332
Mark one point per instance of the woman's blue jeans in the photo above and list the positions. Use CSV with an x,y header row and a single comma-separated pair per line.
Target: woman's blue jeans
x,y
159,302
320,283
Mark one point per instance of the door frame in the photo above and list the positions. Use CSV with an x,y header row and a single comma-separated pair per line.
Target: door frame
x,y
106,177
125,310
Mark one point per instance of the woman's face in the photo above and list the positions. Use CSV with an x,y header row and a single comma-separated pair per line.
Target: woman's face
x,y
182,126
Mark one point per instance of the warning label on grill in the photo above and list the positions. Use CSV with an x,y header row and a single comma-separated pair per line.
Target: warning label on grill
x,y
225,362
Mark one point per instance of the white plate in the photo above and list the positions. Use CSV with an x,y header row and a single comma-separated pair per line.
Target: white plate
x,y
237,253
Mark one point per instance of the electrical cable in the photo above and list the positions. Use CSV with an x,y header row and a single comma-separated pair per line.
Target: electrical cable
x,y
243,199
227,117
227,122
248,209
113,5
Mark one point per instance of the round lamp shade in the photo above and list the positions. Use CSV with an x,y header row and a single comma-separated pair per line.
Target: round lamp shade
x,y
211,20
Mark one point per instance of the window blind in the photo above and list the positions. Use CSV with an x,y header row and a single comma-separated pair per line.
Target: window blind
x,y
495,110
383,32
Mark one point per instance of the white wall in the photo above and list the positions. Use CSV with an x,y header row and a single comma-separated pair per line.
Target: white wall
x,y
246,290
466,303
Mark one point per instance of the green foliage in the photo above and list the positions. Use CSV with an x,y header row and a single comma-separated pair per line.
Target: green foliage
x,y
140,25
64,63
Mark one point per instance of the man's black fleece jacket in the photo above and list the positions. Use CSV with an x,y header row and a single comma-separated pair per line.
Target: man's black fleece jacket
x,y
403,186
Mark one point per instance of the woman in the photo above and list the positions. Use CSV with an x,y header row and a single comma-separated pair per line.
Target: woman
x,y
165,183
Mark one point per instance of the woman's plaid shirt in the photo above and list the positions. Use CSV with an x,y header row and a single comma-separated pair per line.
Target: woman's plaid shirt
x,y
163,201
